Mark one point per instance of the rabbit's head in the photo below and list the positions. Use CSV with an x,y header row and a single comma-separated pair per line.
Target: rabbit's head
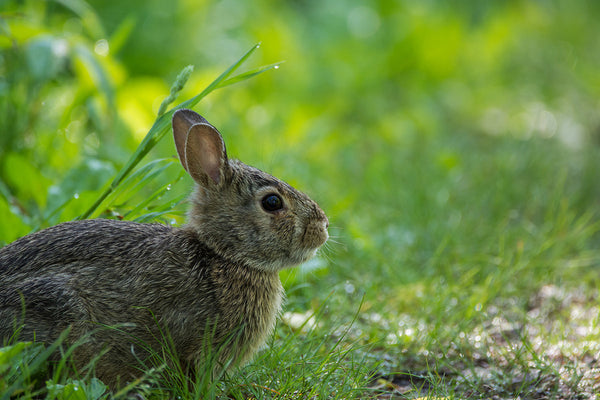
x,y
240,212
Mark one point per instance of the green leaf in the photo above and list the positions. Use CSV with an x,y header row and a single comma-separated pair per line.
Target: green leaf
x,y
72,391
88,17
121,34
8,355
45,56
95,389
96,71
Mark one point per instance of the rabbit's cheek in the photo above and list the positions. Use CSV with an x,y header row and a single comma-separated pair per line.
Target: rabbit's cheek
x,y
284,227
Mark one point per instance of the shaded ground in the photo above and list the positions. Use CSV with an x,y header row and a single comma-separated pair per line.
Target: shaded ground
x,y
549,352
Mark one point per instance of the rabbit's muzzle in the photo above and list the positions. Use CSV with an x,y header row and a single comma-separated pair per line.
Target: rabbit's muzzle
x,y
316,233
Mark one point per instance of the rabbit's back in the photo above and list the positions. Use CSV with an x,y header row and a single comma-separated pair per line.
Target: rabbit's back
x,y
98,271
62,247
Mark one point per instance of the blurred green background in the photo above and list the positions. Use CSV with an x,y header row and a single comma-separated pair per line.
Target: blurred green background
x,y
455,145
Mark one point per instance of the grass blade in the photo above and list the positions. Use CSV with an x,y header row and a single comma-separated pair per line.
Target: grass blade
x,y
162,124
180,82
249,74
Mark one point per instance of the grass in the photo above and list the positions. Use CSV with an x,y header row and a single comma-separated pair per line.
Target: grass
x,y
500,301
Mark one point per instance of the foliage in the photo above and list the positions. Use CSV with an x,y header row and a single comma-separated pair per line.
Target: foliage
x,y
454,146
77,390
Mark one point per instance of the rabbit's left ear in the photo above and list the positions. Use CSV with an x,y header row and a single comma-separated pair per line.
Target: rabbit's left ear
x,y
200,147
205,154
182,122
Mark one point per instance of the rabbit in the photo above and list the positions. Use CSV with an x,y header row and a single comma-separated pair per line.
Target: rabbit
x,y
121,287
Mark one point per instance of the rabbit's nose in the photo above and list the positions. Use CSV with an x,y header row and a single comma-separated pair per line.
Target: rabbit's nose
x,y
325,225
319,214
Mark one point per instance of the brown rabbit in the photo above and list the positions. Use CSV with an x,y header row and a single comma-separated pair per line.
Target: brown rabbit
x,y
212,284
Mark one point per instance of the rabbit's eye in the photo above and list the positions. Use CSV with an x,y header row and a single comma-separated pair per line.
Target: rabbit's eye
x,y
272,202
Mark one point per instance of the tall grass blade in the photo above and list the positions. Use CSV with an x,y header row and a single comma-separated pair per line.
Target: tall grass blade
x,y
137,181
161,125
248,74
180,82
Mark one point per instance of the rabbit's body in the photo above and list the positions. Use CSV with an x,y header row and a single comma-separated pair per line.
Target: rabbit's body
x,y
73,284
212,284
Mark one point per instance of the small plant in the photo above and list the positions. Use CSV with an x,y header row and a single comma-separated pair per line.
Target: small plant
x,y
77,390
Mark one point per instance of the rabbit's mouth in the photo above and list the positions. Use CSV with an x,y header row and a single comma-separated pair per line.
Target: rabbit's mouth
x,y
309,246
300,257
290,260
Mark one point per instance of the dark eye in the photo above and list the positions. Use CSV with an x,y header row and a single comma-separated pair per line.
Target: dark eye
x,y
272,202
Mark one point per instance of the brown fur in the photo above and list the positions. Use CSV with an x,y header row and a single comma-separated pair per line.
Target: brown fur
x,y
214,279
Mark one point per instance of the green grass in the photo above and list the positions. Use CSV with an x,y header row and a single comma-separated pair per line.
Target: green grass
x,y
461,183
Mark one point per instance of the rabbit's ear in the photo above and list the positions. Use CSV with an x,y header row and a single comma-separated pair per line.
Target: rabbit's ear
x,y
182,122
205,154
